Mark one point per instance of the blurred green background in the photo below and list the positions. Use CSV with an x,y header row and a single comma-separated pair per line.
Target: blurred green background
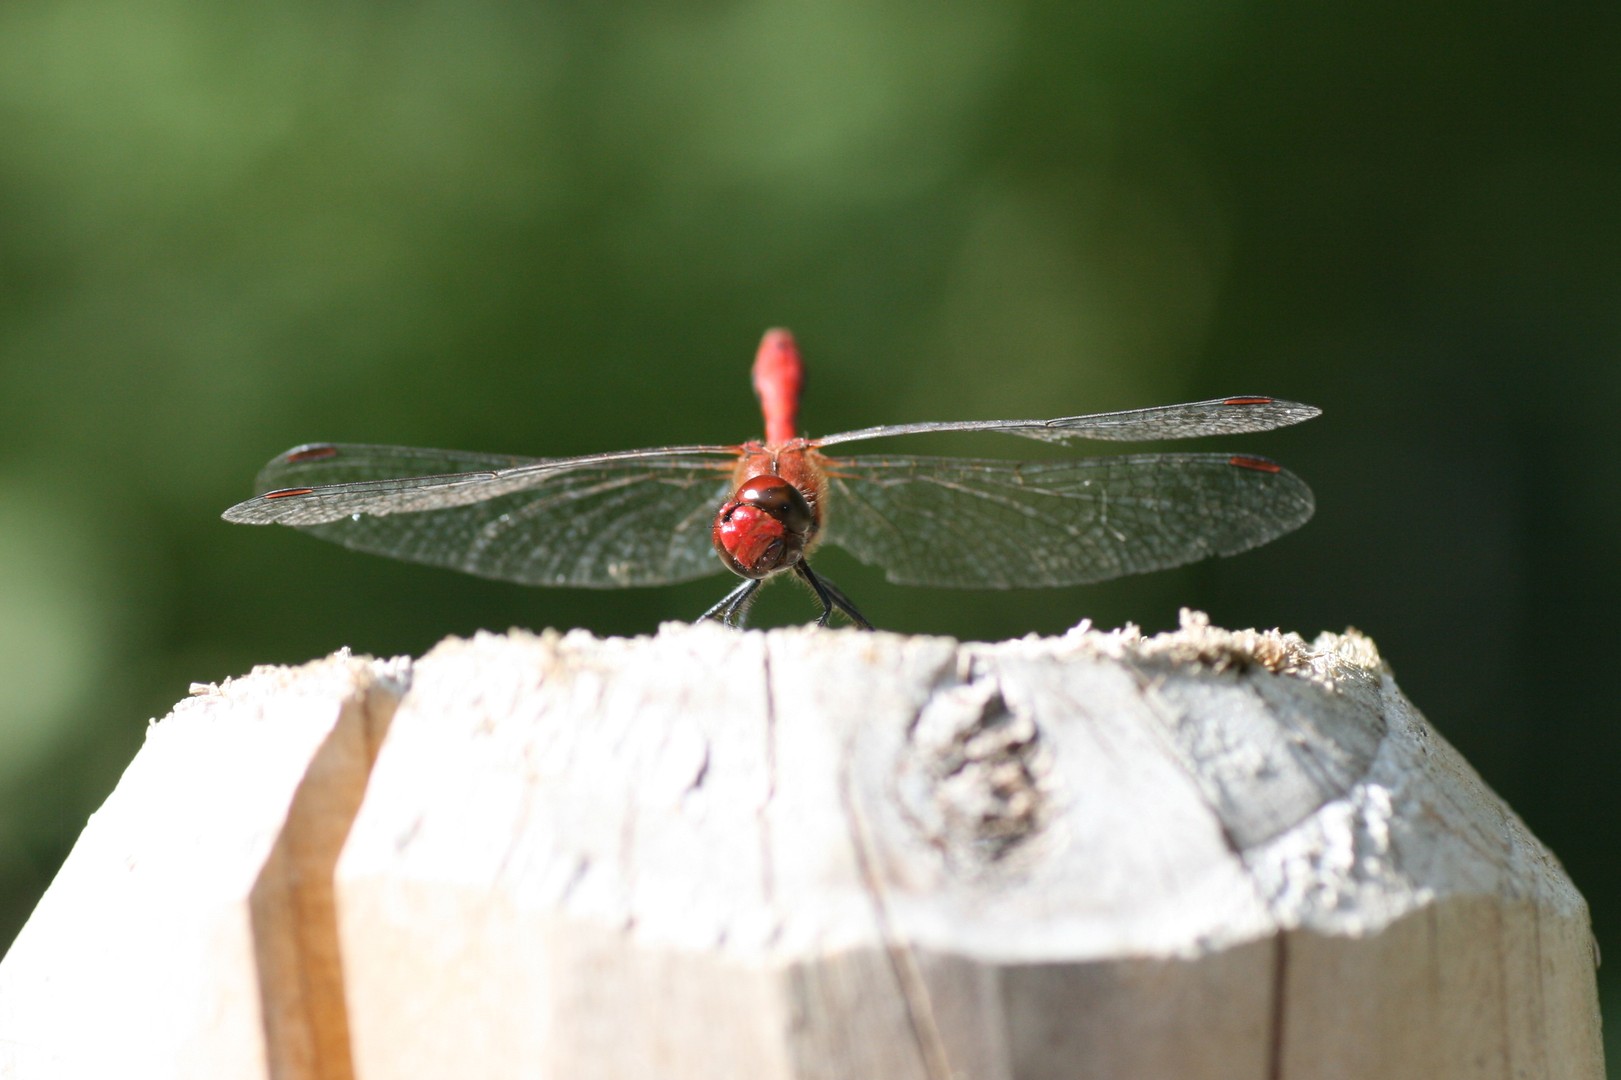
x,y
555,229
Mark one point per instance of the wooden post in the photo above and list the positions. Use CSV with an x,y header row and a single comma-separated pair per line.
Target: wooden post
x,y
807,854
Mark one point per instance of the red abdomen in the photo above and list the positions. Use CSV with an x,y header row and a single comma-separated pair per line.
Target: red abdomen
x,y
779,377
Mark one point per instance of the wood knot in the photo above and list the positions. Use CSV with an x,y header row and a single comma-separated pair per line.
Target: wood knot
x,y
971,775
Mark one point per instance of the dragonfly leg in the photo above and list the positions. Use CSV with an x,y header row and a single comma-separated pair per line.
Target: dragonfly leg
x,y
843,603
733,608
737,612
831,597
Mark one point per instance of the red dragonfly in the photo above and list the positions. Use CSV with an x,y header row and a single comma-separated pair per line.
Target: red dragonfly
x,y
659,516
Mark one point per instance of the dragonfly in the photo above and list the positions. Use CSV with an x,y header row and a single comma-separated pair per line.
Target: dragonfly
x,y
761,508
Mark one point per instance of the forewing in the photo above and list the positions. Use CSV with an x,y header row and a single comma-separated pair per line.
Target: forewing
x,y
322,482
633,518
1219,416
992,524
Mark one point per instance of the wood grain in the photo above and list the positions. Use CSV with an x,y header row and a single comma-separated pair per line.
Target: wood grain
x,y
806,854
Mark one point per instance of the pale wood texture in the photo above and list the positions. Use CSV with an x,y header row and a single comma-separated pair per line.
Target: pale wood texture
x,y
813,854
189,934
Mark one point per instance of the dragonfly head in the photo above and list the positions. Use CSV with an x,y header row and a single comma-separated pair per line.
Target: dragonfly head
x,y
763,528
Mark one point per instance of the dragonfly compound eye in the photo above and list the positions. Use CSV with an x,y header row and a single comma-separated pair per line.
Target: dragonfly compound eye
x,y
764,528
781,500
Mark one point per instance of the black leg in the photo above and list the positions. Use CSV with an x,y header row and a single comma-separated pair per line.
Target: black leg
x,y
733,608
830,596
737,612
842,602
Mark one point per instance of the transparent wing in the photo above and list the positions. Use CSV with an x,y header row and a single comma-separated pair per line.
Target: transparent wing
x,y
321,482
986,524
1219,416
640,517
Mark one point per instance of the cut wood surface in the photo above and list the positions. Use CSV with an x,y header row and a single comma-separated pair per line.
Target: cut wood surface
x,y
808,854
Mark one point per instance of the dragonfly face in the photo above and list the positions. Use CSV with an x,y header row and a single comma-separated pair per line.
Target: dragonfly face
x,y
764,528
649,517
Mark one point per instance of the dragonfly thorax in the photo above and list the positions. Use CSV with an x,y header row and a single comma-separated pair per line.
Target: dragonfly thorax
x,y
764,527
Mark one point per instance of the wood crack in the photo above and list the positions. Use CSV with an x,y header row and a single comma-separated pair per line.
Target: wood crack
x,y
902,958
1280,1005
